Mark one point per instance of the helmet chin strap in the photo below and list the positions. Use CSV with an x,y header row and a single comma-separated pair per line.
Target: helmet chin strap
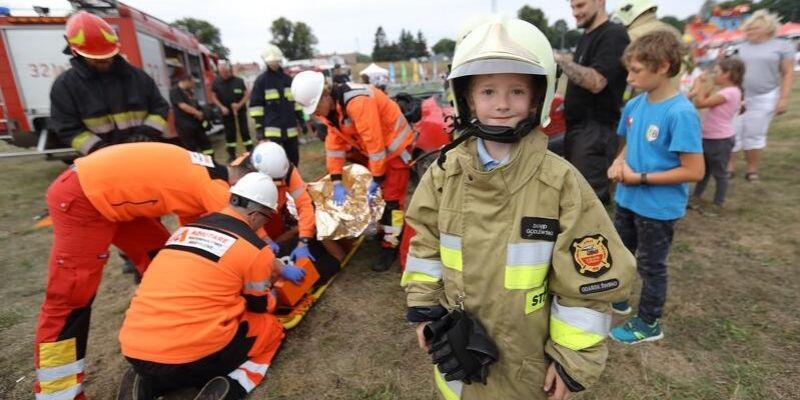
x,y
494,133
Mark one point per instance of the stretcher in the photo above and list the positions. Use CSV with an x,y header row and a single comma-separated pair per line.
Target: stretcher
x,y
291,316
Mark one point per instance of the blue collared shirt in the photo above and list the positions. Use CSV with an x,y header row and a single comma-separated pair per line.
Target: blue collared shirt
x,y
486,159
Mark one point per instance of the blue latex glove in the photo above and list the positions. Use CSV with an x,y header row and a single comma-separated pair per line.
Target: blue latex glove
x,y
373,188
293,273
301,251
340,193
273,246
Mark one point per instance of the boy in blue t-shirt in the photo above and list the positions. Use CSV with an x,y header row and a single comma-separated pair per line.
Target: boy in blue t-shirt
x,y
663,152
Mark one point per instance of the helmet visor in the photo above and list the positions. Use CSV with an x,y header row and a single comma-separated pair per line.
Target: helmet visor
x,y
495,66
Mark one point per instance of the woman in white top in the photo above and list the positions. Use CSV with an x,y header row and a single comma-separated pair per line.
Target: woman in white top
x,y
767,85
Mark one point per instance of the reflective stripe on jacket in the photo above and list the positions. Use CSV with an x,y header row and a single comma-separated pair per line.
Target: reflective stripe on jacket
x,y
374,126
530,251
87,107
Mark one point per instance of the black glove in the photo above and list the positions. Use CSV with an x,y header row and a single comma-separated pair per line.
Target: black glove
x,y
461,348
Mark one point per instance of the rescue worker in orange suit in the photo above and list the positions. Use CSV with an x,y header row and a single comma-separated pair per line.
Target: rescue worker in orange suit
x,y
113,196
103,100
272,107
361,118
270,159
202,315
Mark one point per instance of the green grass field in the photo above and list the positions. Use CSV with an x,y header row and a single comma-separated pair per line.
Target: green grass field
x,y
731,321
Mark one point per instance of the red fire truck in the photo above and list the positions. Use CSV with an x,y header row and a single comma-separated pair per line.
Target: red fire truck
x,y
31,56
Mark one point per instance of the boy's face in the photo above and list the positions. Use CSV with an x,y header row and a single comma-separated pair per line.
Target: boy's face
x,y
641,77
500,99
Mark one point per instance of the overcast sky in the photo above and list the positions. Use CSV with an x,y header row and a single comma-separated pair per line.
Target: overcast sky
x,y
340,26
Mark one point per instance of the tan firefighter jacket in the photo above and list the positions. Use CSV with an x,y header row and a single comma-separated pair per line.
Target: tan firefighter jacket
x,y
531,252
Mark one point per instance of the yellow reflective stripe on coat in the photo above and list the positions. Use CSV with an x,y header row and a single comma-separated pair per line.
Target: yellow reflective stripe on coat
x,y
298,107
450,251
421,270
99,125
256,111
450,390
271,94
287,94
272,131
577,328
527,264
129,119
156,122
84,141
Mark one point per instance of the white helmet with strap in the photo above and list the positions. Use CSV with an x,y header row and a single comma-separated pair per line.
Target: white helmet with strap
x,y
255,187
628,10
498,46
270,158
272,54
307,90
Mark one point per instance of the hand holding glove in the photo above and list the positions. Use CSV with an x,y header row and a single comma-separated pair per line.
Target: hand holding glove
x,y
301,251
273,246
340,193
293,273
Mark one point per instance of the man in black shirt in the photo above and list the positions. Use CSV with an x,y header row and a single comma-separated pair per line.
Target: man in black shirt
x,y
338,76
230,94
594,94
189,118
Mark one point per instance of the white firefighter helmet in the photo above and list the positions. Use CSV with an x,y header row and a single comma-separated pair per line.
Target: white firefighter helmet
x,y
270,158
473,22
307,89
258,188
272,54
628,10
503,45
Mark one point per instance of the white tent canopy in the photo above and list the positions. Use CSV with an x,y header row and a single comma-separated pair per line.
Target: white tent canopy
x,y
375,73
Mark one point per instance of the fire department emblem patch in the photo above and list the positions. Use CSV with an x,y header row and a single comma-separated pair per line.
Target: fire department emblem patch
x,y
591,256
652,133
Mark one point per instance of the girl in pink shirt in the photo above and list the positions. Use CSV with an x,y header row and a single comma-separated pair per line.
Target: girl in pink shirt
x,y
717,127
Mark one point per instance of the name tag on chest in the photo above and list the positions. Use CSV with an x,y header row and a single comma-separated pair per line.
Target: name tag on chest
x,y
206,240
535,228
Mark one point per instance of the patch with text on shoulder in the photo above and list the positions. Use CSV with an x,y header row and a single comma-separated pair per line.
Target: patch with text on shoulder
x,y
535,228
597,287
591,256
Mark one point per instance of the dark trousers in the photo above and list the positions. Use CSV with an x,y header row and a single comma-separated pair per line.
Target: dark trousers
x,y
292,147
716,153
591,147
163,378
193,137
229,121
649,239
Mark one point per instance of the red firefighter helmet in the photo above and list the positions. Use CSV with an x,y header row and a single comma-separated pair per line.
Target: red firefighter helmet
x,y
91,37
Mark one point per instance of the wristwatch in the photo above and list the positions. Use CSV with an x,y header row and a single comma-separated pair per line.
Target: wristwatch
x,y
644,178
305,240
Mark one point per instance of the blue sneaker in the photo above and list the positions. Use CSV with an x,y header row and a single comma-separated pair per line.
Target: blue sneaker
x,y
634,330
621,308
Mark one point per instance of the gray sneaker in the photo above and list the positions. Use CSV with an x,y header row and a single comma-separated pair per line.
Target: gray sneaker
x,y
217,388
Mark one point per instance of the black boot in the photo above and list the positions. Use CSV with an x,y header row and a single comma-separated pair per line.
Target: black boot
x,y
134,387
221,388
385,259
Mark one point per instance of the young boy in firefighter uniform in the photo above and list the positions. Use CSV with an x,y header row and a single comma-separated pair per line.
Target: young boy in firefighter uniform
x,y
362,118
270,159
515,260
115,195
202,314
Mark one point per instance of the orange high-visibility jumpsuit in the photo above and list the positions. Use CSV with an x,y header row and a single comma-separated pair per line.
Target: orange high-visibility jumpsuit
x,y
294,186
203,308
373,124
112,196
